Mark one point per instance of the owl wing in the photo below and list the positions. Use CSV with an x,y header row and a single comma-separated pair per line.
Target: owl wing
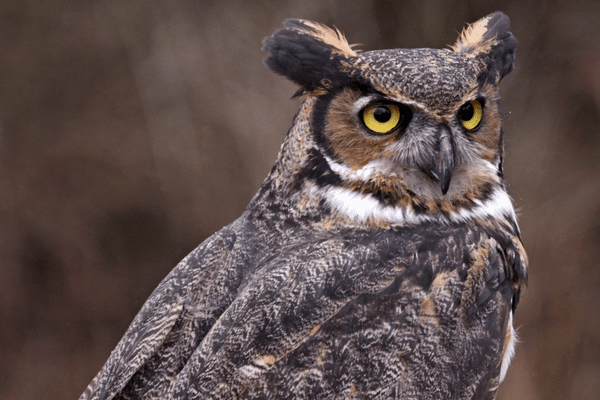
x,y
200,274
278,309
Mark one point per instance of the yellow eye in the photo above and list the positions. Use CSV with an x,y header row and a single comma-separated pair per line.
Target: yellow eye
x,y
470,114
381,119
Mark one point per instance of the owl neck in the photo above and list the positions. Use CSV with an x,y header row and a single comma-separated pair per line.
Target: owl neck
x,y
295,155
306,182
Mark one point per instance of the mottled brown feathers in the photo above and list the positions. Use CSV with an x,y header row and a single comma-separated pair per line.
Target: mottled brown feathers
x,y
354,272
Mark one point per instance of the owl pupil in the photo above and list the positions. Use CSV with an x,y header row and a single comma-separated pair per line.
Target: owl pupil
x,y
382,114
466,112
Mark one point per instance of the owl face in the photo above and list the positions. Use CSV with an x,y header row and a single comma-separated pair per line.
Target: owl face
x,y
417,129
397,132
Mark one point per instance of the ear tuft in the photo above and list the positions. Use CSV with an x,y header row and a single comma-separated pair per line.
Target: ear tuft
x,y
330,37
489,38
311,54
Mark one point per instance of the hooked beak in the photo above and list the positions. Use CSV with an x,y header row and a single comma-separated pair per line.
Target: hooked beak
x,y
444,162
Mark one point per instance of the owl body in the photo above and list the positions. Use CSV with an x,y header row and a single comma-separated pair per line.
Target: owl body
x,y
380,259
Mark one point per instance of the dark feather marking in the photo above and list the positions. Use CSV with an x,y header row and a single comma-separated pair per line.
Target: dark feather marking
x,y
317,170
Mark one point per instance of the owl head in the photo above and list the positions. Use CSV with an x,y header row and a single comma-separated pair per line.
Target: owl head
x,y
410,131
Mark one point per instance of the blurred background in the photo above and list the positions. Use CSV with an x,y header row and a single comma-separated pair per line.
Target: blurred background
x,y
131,131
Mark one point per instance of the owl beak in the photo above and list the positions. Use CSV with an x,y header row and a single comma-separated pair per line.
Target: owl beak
x,y
444,164
446,161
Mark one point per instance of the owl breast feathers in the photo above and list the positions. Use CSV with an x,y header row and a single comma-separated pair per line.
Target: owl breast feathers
x,y
381,257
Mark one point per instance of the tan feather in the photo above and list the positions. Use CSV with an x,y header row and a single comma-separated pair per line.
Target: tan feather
x,y
471,41
332,37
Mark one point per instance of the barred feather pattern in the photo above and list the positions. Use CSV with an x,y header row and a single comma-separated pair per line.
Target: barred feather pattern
x,y
413,307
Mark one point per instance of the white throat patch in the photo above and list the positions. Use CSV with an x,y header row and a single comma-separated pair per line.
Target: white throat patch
x,y
362,208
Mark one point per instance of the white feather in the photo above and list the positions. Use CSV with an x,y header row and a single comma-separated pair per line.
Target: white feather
x,y
362,207
509,351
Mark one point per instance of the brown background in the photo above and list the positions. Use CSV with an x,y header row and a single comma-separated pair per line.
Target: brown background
x,y
132,130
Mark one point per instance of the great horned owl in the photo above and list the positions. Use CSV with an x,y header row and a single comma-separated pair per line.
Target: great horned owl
x,y
381,257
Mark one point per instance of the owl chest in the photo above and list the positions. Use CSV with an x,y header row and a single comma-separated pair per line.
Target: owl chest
x,y
434,309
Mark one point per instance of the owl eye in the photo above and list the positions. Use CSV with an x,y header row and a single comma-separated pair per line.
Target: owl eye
x,y
381,119
470,114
